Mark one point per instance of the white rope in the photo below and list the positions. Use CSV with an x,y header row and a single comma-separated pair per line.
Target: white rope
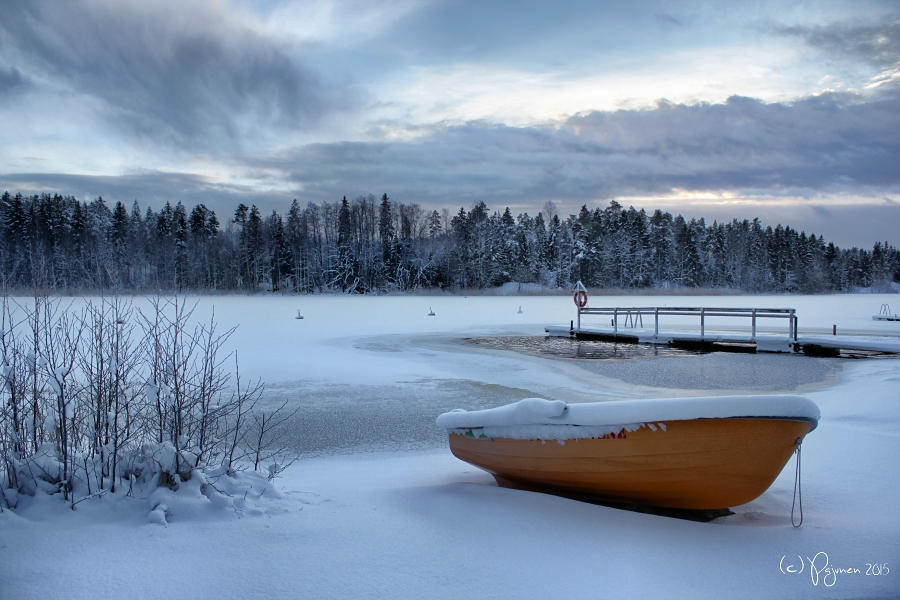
x,y
798,493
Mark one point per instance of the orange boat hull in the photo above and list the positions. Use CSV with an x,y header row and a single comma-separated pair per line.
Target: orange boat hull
x,y
698,464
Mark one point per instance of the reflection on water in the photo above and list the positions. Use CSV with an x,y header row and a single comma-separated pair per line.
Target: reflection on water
x,y
564,347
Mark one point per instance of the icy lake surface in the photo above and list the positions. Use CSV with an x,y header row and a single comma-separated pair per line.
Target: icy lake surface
x,y
341,417
371,373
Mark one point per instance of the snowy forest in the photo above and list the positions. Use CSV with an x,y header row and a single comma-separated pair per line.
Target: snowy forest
x,y
60,244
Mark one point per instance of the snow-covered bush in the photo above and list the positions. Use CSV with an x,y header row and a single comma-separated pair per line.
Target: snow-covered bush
x,y
107,396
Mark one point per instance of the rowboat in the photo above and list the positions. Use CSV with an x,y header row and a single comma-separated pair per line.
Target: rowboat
x,y
679,453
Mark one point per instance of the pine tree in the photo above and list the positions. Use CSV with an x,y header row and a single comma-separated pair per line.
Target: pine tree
x,y
345,269
255,263
279,253
662,247
295,239
462,249
121,227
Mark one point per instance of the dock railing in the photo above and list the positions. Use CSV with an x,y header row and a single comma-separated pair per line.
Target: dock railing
x,y
634,316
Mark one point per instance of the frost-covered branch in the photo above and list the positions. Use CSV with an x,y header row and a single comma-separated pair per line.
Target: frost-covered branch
x,y
104,394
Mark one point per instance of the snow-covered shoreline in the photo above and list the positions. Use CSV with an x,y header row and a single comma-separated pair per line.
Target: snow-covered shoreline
x,y
417,523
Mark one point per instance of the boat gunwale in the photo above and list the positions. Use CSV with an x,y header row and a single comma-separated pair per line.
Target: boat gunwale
x,y
813,422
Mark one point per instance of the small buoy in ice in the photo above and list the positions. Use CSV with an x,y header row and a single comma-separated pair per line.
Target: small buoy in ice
x,y
299,316
520,311
430,312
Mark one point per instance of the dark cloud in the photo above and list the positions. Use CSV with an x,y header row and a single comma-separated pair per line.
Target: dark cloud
x,y
878,44
834,144
529,31
452,165
669,19
821,211
12,82
184,73
152,189
825,143
817,143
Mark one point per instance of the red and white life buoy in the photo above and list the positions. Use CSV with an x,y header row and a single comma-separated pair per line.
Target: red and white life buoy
x,y
580,298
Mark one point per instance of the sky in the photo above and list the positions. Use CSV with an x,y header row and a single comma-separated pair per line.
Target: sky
x,y
786,111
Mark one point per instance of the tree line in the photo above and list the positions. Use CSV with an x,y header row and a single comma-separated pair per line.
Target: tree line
x,y
370,245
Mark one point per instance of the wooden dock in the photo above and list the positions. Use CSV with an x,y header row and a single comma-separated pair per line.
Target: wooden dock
x,y
643,325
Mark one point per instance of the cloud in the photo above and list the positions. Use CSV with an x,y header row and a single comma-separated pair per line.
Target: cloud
x,y
878,44
669,19
821,211
196,74
12,82
343,22
824,143
818,142
828,144
152,189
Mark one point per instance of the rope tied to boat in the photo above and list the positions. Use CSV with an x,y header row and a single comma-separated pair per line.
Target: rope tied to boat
x,y
798,493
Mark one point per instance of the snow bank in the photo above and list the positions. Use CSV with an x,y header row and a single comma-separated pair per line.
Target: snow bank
x,y
536,411
210,495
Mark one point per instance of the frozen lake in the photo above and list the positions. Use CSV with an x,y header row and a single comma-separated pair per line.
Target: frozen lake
x,y
400,415
371,373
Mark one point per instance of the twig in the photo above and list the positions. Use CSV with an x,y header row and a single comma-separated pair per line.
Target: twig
x,y
95,495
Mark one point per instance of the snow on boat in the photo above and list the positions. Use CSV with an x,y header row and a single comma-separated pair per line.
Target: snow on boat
x,y
681,453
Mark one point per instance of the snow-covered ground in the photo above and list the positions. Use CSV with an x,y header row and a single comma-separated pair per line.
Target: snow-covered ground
x,y
378,508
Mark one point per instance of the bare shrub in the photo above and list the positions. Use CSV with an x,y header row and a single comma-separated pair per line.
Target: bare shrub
x,y
106,393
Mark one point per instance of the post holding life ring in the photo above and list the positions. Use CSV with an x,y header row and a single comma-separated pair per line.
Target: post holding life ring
x,y
580,298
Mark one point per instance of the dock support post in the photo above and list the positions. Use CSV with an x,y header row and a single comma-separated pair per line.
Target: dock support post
x,y
753,325
615,320
579,318
656,323
702,323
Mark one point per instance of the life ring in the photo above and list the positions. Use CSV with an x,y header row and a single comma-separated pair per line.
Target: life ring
x,y
580,298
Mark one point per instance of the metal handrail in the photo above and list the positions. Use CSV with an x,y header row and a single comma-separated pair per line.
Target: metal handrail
x,y
634,314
